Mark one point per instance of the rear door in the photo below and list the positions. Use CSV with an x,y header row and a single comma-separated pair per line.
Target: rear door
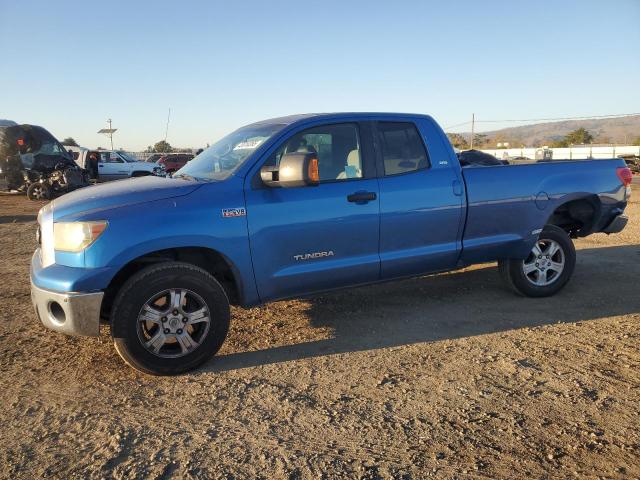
x,y
315,238
421,200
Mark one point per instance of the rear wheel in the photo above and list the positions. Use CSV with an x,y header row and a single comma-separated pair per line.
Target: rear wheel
x,y
169,318
547,268
38,192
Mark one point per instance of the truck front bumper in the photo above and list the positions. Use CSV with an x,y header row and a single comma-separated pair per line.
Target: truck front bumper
x,y
72,313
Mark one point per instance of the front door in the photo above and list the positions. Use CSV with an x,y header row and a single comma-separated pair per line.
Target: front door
x,y
111,167
314,238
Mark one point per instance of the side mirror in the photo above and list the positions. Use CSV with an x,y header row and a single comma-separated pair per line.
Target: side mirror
x,y
297,169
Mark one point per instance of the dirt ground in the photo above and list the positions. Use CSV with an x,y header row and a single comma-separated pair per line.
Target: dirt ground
x,y
446,376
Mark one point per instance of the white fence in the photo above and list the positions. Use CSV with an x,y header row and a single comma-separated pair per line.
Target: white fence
x,y
571,153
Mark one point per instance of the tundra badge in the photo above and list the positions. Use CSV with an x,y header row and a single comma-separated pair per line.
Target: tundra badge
x,y
308,256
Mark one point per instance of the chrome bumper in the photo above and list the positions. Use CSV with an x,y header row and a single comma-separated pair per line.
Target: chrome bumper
x,y
70,313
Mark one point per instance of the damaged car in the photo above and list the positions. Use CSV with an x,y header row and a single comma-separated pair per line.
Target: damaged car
x,y
32,161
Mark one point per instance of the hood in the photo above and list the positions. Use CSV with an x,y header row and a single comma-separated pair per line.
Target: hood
x,y
121,193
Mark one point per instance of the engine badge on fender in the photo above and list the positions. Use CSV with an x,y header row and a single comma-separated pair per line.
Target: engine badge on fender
x,y
234,212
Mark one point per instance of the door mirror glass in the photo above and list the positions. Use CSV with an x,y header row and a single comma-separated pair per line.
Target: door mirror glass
x,y
296,169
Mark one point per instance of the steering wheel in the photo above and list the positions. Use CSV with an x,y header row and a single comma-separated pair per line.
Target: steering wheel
x,y
226,150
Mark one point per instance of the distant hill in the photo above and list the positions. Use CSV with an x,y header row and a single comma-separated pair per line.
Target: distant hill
x,y
605,130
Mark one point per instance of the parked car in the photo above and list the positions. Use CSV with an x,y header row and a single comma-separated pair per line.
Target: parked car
x,y
153,158
34,162
632,161
173,162
299,205
116,164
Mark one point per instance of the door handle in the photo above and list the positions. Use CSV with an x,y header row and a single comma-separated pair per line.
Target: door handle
x,y
361,197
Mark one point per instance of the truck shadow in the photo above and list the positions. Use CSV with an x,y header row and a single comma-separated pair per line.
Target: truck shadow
x,y
17,218
455,305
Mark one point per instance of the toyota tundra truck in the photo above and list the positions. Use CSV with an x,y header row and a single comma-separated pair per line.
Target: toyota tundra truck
x,y
299,205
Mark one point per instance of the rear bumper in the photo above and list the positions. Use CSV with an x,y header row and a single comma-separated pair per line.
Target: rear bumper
x,y
617,224
71,313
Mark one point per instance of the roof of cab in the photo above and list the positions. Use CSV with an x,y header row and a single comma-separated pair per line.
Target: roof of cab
x,y
291,119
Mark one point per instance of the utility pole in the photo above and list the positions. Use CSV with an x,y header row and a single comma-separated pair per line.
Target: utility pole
x,y
166,132
473,125
108,131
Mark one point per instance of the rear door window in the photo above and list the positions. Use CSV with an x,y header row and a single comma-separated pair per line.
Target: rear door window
x,y
401,148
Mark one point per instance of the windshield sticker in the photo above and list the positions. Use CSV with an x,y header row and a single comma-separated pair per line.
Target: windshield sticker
x,y
249,144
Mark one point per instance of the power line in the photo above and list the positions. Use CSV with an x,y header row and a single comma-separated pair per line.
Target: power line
x,y
546,119
561,118
457,125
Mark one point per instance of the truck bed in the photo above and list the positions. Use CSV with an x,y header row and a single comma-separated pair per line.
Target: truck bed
x,y
507,204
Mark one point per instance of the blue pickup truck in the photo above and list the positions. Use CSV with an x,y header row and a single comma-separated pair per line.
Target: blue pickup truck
x,y
293,206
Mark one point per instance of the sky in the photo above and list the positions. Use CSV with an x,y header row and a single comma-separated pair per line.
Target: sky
x,y
71,65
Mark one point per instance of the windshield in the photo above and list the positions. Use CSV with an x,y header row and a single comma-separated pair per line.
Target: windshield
x,y
225,156
127,157
53,149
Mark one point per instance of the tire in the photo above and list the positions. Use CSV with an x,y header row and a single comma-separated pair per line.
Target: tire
x,y
38,192
540,275
140,174
148,327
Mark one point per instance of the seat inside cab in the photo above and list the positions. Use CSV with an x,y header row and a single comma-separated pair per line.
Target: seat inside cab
x,y
402,149
337,147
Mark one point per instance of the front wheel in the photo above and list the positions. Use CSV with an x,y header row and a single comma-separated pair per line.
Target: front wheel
x,y
169,318
38,192
547,268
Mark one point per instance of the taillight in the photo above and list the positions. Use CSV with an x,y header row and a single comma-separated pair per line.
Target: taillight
x,y
625,176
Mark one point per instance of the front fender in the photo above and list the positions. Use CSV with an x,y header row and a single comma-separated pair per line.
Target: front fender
x,y
191,221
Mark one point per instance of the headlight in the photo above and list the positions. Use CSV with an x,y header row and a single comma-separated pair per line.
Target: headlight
x,y
76,236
